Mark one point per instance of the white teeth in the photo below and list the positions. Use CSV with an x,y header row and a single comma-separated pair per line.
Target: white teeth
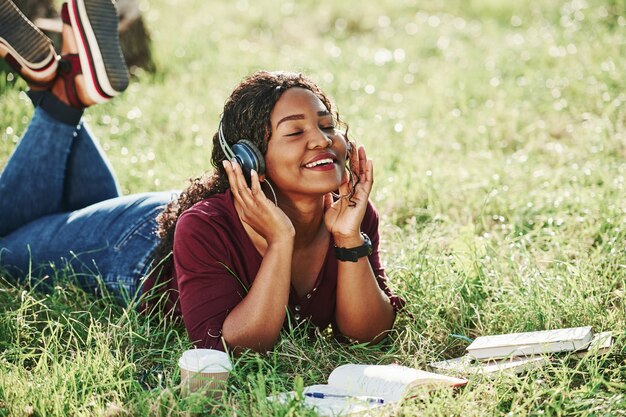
x,y
319,162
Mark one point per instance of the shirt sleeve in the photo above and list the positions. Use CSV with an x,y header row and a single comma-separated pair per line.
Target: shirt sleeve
x,y
369,226
208,288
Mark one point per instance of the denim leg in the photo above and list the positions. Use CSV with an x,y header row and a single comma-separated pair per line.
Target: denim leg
x,y
31,184
111,241
56,167
89,177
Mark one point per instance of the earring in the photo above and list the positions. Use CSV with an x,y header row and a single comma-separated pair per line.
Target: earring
x,y
269,184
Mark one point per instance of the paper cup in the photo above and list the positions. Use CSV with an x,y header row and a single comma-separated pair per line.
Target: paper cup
x,y
204,369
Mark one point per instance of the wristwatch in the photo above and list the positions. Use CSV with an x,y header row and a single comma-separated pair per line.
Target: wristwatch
x,y
353,254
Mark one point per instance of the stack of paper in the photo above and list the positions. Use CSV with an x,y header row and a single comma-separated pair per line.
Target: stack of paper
x,y
519,352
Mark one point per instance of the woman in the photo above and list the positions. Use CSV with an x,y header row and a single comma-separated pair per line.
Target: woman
x,y
252,251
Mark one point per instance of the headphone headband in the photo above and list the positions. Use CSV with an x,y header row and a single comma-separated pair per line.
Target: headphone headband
x,y
223,144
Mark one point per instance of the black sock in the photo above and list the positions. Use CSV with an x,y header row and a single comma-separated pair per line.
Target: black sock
x,y
55,107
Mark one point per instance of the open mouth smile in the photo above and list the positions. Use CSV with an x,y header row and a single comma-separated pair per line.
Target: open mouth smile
x,y
320,163
325,161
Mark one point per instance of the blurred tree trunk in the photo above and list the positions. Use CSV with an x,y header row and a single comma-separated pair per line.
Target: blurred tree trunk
x,y
134,36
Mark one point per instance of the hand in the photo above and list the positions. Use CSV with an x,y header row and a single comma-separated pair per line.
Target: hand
x,y
254,208
343,217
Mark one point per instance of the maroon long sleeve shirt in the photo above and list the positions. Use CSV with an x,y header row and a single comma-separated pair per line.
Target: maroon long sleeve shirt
x,y
215,264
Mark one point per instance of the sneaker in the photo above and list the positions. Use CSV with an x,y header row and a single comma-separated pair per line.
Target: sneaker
x,y
94,24
25,47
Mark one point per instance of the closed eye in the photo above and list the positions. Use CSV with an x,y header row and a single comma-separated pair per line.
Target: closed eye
x,y
330,128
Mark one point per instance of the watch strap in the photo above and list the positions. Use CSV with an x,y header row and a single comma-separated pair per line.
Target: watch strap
x,y
353,254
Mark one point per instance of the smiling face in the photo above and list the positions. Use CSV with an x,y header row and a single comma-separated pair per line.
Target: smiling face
x,y
306,154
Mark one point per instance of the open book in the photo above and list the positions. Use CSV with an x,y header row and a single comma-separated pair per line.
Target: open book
x,y
353,388
530,343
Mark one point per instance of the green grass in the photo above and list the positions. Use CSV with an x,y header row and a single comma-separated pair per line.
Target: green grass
x,y
499,137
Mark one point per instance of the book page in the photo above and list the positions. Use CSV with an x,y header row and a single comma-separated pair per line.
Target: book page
x,y
466,366
386,381
600,344
336,406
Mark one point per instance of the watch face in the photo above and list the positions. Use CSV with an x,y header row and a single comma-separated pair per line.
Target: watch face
x,y
368,243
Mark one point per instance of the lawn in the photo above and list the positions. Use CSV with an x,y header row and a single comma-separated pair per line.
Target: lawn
x,y
498,132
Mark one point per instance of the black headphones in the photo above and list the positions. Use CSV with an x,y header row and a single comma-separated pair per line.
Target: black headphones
x,y
247,155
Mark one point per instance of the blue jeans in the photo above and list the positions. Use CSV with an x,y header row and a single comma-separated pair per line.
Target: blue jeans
x,y
61,210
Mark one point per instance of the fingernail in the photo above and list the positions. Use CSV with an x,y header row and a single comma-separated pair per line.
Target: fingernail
x,y
225,163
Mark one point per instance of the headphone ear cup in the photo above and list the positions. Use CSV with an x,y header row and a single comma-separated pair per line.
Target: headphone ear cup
x,y
249,157
260,159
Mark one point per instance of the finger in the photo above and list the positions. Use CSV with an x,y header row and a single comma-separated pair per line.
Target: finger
x,y
232,179
255,184
354,160
240,180
353,149
362,162
240,183
328,201
367,179
370,172
228,168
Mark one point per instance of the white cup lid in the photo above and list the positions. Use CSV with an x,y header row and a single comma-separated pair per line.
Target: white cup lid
x,y
205,360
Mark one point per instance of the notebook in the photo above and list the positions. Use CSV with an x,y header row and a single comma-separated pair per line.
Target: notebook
x,y
530,343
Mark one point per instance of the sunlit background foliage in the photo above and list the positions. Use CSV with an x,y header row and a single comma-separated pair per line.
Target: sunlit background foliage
x,y
498,131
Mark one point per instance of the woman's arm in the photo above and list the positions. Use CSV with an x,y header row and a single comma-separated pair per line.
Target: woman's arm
x,y
208,262
363,310
257,320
